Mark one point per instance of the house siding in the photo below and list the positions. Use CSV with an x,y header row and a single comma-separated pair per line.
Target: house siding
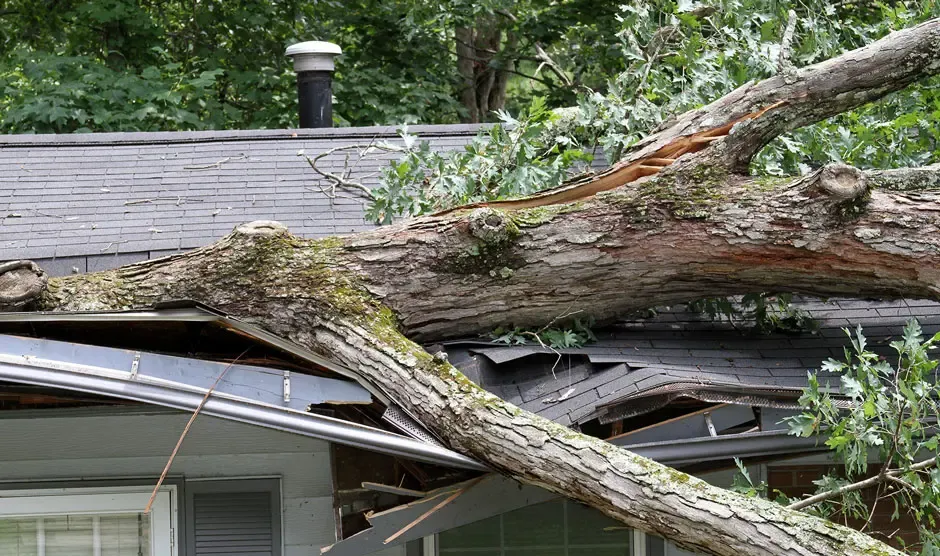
x,y
91,444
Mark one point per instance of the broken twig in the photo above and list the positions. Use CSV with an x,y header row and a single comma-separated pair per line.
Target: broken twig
x,y
214,164
437,507
189,424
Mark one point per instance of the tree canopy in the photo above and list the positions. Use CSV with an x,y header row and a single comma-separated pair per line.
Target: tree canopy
x,y
121,65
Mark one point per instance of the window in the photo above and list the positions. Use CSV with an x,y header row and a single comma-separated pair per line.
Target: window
x,y
87,522
555,528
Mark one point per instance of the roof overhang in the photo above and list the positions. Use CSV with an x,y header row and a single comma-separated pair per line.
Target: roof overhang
x,y
189,311
253,395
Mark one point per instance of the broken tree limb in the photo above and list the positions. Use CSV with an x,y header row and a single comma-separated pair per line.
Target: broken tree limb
x,y
21,282
308,292
743,121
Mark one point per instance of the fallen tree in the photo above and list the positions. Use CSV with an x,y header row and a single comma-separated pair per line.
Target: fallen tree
x,y
688,224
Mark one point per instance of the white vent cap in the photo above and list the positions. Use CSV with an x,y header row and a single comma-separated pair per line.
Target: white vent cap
x,y
313,55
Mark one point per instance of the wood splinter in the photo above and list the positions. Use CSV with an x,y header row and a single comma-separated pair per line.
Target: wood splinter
x,y
619,174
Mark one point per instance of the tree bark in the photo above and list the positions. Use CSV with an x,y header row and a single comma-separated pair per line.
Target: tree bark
x,y
694,229
484,63
466,62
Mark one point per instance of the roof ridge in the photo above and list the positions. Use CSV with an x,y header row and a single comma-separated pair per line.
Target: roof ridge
x,y
52,140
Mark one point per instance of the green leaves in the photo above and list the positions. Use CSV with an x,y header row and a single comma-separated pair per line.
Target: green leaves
x,y
515,158
573,334
45,93
764,312
884,411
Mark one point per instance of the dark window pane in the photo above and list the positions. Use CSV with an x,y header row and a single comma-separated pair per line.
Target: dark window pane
x,y
586,526
481,534
539,525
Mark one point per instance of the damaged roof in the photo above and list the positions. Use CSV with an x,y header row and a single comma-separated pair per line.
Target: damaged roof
x,y
639,365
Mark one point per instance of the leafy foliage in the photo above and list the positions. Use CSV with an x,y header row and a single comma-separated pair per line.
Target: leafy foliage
x,y
764,313
61,95
889,408
575,334
676,56
81,60
66,65
503,161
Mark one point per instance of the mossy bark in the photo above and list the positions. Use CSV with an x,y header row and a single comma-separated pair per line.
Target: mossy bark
x,y
314,293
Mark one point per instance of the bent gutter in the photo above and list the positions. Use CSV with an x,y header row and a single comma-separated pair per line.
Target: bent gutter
x,y
192,311
111,382
710,448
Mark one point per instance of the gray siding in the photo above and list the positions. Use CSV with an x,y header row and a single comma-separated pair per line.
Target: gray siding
x,y
79,445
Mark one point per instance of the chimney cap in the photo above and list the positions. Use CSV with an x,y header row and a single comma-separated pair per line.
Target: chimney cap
x,y
313,55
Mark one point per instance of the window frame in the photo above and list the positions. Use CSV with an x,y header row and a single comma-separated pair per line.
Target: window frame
x,y
46,502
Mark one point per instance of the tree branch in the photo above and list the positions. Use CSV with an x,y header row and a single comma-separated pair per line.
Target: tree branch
x,y
784,64
892,475
810,94
548,62
342,181
310,292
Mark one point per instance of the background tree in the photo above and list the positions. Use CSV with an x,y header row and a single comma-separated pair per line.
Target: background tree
x,y
112,65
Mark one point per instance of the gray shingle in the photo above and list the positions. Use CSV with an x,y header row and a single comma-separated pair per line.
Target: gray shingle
x,y
691,353
198,185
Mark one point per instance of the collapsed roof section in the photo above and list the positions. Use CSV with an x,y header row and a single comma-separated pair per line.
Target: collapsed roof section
x,y
638,367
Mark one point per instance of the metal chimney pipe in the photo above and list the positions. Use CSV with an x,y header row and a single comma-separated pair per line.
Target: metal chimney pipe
x,y
313,64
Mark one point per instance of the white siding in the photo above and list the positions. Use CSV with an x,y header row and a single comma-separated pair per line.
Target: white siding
x,y
92,445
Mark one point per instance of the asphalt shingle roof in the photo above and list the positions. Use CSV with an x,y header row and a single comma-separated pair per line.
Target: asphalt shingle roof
x,y
77,203
677,351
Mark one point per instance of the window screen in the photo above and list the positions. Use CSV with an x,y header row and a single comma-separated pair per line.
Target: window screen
x,y
556,528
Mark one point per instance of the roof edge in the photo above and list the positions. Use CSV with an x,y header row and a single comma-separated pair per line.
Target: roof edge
x,y
215,136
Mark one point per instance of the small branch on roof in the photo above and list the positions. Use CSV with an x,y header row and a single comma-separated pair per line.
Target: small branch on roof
x,y
112,244
178,199
41,213
215,164
343,180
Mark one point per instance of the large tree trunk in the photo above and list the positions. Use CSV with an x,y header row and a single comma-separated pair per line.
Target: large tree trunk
x,y
485,59
695,228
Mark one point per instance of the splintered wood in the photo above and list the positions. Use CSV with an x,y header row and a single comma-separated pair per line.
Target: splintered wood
x,y
621,173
